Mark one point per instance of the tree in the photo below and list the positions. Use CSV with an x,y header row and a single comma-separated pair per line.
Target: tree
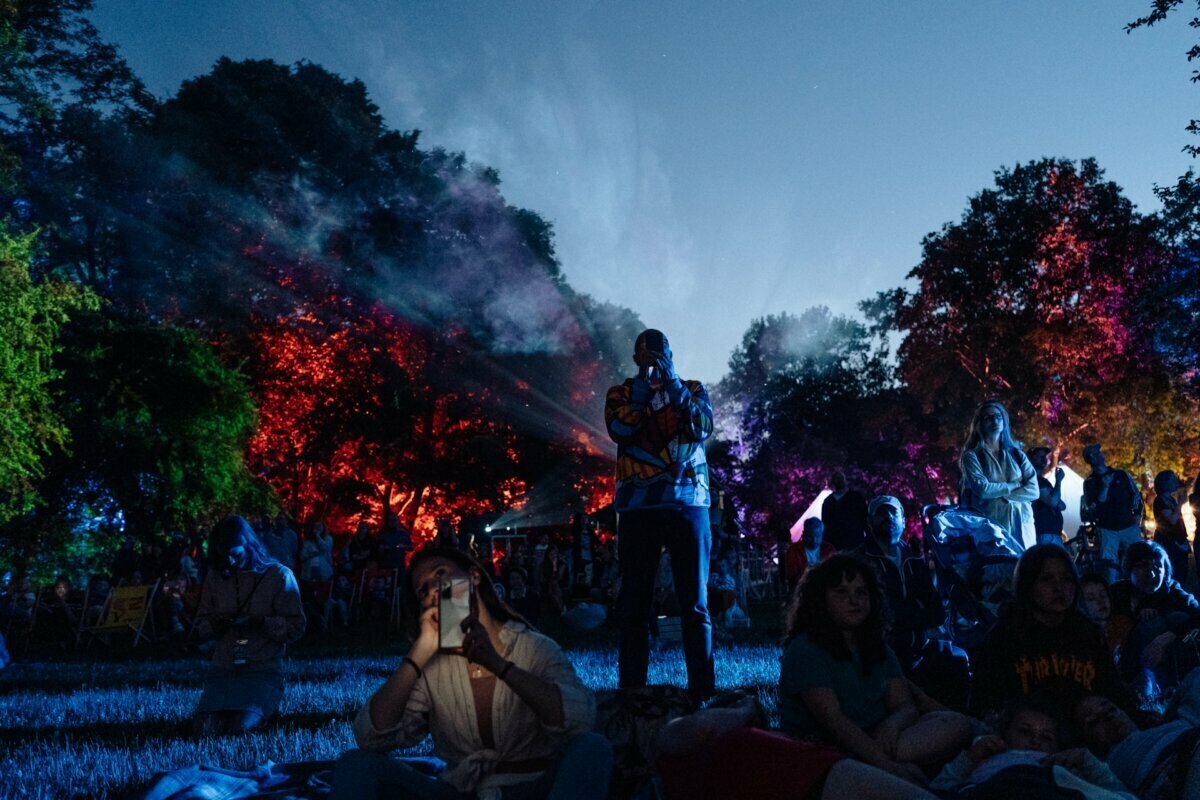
x,y
1159,9
31,318
796,400
158,429
1034,297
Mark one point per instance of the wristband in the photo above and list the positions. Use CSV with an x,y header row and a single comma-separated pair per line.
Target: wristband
x,y
504,670
408,660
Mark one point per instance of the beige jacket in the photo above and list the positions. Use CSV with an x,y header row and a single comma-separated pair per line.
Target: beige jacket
x,y
442,704
272,596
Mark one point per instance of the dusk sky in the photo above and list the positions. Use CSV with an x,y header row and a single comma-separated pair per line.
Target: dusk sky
x,y
705,163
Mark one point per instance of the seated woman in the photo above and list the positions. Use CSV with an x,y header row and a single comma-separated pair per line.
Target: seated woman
x,y
1042,643
1159,611
507,714
1021,760
841,684
251,604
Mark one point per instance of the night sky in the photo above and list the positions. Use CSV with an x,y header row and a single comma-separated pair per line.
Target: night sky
x,y
705,163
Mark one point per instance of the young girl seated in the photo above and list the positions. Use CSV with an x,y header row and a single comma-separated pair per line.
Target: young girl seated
x,y
1025,759
1160,612
1042,643
841,683
1096,605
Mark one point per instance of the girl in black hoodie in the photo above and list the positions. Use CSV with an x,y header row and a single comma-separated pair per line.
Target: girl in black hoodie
x,y
1042,642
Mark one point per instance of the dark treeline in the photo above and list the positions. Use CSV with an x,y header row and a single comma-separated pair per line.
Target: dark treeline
x,y
255,294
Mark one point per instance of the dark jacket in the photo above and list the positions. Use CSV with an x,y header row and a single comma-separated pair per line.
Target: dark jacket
x,y
1171,597
913,602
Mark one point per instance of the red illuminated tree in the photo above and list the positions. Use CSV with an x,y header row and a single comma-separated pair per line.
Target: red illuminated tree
x,y
1034,297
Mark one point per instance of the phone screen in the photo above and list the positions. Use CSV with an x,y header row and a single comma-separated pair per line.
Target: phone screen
x,y
454,606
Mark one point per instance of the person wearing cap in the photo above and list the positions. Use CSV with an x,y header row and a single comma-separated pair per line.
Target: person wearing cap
x,y
1111,500
904,577
997,479
659,423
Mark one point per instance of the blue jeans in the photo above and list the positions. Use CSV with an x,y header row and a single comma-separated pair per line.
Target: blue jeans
x,y
641,536
581,772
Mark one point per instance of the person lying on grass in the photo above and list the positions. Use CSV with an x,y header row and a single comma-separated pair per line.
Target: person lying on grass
x,y
251,605
841,684
1025,759
506,710
723,751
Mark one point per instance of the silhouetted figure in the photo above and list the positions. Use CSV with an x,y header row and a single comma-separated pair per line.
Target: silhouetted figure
x,y
844,514
1048,508
251,605
1112,500
659,423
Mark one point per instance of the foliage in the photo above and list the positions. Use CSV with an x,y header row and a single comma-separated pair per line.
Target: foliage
x,y
31,317
158,430
1159,9
799,391
1036,297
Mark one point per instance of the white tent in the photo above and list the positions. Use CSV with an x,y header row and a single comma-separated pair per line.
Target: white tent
x,y
813,510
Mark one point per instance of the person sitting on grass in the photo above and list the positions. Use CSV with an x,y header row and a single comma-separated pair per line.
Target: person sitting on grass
x,y
1042,643
507,712
1096,604
841,684
1160,613
1025,759
250,604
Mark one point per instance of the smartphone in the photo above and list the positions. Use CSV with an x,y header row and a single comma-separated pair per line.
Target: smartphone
x,y
456,603
655,342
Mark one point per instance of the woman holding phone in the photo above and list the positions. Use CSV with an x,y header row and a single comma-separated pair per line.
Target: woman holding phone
x,y
506,710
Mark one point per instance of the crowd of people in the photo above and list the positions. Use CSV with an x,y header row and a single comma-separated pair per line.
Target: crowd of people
x,y
1083,683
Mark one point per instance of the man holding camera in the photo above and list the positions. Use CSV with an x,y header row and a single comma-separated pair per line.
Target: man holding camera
x,y
659,423
1113,501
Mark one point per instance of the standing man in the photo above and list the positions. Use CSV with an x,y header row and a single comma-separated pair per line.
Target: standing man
x,y
659,423
844,514
1048,508
1111,500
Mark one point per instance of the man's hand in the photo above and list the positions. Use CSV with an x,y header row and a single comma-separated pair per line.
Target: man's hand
x,y
665,367
640,392
1059,474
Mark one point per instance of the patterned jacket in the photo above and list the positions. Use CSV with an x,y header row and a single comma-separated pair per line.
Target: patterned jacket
x,y
660,452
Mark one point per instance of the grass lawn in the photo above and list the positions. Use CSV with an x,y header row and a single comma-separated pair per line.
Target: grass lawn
x,y
103,728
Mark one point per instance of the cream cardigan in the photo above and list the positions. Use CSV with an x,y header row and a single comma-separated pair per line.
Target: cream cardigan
x,y
442,704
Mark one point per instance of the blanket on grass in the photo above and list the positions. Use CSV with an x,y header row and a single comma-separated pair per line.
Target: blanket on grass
x,y
306,780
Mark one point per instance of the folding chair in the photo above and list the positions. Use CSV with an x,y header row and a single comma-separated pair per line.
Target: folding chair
x,y
368,577
127,608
